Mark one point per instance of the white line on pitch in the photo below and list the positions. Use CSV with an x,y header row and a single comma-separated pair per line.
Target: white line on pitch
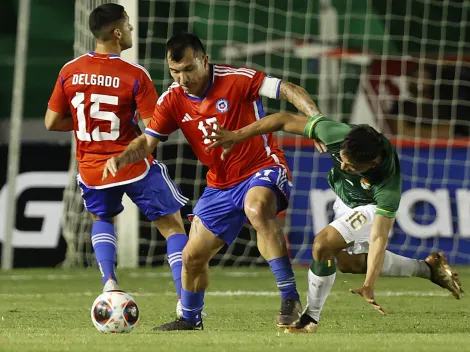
x,y
223,293
78,275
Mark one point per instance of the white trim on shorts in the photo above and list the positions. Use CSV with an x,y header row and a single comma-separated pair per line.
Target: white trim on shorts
x,y
116,184
176,194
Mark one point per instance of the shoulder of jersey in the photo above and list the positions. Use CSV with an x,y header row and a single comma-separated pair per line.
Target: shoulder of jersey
x,y
232,71
132,65
129,65
169,93
74,62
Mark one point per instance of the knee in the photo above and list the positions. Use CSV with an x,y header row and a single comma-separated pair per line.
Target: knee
x,y
193,260
258,212
320,249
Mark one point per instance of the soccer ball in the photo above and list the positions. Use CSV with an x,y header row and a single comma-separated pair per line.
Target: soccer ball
x,y
114,312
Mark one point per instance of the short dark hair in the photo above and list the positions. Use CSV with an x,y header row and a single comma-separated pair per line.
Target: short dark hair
x,y
104,16
363,144
177,45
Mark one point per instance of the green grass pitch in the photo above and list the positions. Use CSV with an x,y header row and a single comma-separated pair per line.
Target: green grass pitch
x,y
48,310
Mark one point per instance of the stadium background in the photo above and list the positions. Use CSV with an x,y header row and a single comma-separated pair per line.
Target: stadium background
x,y
378,40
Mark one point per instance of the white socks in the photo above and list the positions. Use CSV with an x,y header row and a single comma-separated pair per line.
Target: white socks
x,y
396,265
319,288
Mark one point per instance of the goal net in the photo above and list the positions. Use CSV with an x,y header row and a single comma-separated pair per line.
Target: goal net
x,y
400,66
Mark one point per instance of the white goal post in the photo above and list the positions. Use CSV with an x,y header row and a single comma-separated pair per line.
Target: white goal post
x,y
14,145
128,220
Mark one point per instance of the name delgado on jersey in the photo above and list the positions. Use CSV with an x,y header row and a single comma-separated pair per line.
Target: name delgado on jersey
x,y
96,80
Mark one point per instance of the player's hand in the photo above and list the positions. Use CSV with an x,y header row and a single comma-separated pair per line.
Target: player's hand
x,y
367,293
222,138
320,146
110,167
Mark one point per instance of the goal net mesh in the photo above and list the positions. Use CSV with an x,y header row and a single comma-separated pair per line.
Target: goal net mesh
x,y
401,66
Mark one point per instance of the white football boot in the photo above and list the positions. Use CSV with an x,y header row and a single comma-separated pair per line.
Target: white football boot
x,y
111,285
179,309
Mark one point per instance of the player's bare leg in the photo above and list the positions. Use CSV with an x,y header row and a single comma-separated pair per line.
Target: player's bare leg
x,y
351,263
201,247
321,276
171,227
433,268
261,209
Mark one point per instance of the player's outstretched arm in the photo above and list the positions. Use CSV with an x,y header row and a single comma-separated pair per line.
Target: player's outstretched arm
x,y
56,121
298,97
379,239
286,122
137,150
378,243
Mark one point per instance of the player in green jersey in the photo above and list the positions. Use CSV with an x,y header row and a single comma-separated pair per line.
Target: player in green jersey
x,y
366,178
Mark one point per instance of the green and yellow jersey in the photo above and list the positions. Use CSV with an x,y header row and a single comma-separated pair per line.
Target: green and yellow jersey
x,y
380,185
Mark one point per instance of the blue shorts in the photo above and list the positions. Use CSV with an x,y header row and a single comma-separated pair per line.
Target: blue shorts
x,y
156,195
221,210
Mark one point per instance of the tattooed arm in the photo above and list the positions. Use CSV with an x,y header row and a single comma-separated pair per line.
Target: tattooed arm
x,y
286,122
137,150
298,97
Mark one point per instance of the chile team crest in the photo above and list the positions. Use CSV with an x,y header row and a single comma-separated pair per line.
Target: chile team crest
x,y
222,105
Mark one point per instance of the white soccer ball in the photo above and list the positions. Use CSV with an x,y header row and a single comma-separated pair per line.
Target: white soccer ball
x,y
114,312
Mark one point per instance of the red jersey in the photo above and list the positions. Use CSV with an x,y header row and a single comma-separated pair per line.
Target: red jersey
x,y
233,100
103,92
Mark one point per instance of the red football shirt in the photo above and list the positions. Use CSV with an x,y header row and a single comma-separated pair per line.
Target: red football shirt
x,y
103,92
232,99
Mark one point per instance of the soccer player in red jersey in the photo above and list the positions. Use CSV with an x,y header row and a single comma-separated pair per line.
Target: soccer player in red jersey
x,y
253,182
102,92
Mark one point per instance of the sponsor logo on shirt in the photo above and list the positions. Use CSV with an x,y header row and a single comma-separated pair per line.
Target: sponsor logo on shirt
x,y
222,105
186,118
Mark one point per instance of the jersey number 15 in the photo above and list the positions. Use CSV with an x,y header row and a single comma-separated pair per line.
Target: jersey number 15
x,y
95,113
